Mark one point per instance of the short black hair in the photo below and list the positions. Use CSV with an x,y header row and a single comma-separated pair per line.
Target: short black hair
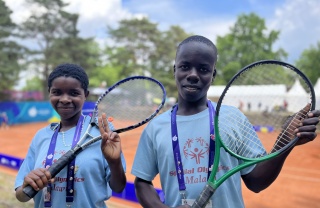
x,y
200,39
69,70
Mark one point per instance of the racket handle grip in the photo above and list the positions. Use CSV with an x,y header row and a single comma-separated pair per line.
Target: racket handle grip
x,y
29,191
54,169
63,161
204,197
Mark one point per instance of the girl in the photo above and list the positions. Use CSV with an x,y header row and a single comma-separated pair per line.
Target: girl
x,y
88,180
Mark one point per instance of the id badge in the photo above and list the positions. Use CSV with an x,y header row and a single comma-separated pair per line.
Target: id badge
x,y
47,194
191,201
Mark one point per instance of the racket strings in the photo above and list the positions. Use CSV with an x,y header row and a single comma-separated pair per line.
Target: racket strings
x,y
131,102
241,140
287,135
266,95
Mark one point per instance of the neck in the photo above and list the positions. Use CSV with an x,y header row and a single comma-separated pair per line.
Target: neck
x,y
67,124
191,108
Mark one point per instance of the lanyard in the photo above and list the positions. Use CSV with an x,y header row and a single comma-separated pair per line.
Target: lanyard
x,y
176,148
70,173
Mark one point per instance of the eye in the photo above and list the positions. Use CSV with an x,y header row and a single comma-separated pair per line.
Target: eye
x,y
55,92
205,69
75,93
183,67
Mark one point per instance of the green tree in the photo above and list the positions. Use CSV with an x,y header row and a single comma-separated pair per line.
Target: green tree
x,y
142,49
134,43
162,61
249,41
74,49
33,84
10,52
309,62
57,41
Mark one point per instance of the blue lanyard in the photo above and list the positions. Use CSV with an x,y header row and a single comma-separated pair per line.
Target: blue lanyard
x,y
176,148
70,174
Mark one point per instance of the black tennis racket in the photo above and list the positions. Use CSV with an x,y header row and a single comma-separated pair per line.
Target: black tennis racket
x,y
273,97
129,103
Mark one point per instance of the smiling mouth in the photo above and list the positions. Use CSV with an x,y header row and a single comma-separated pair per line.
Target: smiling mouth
x,y
65,108
191,88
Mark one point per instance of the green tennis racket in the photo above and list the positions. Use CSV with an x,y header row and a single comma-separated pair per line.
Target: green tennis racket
x,y
273,97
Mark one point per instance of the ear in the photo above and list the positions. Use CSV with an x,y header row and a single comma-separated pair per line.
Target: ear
x,y
214,75
87,94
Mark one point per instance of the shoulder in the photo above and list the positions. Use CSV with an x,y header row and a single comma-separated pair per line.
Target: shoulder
x,y
157,124
227,109
43,134
161,119
49,129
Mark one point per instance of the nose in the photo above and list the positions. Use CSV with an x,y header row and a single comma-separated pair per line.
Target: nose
x,y
64,98
193,75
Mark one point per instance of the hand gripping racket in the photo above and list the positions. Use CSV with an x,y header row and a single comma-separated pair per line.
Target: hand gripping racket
x,y
273,97
129,103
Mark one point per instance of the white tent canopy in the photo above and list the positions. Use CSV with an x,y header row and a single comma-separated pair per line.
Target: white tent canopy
x,y
317,92
297,89
317,86
260,97
257,97
298,95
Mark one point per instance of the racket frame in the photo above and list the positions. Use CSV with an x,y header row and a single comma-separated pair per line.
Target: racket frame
x,y
56,167
213,184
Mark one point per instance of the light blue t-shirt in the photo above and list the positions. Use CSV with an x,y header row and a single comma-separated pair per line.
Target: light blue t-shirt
x,y
155,156
92,172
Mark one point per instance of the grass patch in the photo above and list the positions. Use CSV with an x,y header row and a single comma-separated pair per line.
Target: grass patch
x,y
7,196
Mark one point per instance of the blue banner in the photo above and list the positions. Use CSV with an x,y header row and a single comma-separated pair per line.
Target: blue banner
x,y
26,112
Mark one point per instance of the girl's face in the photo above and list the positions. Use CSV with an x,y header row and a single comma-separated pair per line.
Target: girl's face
x,y
67,98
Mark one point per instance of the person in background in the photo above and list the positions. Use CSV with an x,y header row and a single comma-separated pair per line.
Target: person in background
x,y
4,120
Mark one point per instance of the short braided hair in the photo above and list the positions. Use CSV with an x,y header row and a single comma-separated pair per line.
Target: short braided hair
x,y
69,70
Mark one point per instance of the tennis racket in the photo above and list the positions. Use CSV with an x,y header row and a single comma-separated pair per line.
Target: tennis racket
x,y
129,103
274,96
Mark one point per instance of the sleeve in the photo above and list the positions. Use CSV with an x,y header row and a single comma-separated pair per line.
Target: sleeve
x,y
241,139
26,167
255,149
145,160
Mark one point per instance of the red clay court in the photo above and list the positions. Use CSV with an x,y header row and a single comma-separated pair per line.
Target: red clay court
x,y
297,186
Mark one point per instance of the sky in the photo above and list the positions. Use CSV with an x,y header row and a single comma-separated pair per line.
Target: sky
x,y
297,20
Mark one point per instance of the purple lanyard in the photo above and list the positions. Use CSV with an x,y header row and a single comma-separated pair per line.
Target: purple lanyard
x,y
70,173
176,148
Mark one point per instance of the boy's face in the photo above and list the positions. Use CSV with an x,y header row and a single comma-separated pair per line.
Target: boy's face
x,y
194,67
67,96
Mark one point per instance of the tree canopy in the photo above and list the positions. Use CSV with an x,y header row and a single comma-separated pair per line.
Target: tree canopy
x,y
309,62
10,51
57,38
135,47
248,41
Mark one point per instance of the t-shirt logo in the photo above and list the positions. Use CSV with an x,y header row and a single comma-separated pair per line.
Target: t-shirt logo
x,y
174,138
195,149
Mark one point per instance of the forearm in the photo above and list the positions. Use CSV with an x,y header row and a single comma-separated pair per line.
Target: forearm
x,y
20,195
265,173
118,178
147,195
